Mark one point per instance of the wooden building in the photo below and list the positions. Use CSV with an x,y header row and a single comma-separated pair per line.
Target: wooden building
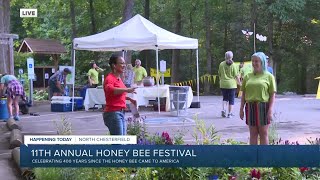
x,y
52,48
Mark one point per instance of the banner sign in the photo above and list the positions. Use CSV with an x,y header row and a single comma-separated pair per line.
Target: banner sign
x,y
78,139
153,72
169,156
30,67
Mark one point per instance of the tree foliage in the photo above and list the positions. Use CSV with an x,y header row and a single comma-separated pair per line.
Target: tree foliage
x,y
294,43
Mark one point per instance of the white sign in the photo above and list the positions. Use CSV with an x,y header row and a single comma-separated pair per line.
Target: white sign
x,y
20,71
163,65
79,139
46,75
69,76
28,13
30,66
53,70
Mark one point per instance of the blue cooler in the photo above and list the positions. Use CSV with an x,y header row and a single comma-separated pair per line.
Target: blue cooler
x,y
61,104
78,102
4,113
61,107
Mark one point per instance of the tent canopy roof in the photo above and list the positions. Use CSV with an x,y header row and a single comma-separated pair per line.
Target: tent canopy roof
x,y
135,34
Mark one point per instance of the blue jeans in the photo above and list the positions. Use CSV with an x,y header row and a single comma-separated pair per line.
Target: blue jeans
x,y
115,122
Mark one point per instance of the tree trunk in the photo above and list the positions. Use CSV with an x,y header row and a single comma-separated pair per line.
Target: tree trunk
x,y
55,58
225,39
73,27
5,16
93,25
270,37
126,15
191,55
92,17
207,21
176,53
303,77
238,47
253,19
277,65
146,53
5,65
147,9
73,20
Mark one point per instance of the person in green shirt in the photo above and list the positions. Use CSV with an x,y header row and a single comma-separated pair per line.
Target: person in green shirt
x,y
257,100
228,75
244,70
139,73
93,75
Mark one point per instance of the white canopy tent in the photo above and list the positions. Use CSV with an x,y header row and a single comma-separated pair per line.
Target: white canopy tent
x,y
136,34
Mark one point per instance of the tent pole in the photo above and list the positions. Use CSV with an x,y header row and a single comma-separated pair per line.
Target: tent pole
x,y
197,53
157,58
123,55
73,75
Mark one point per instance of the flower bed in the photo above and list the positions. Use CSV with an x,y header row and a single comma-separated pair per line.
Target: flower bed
x,y
203,135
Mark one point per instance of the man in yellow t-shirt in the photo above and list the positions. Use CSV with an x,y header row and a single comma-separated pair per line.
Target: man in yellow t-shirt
x,y
93,75
139,72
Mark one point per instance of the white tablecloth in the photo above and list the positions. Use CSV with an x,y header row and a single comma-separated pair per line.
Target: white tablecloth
x,y
143,95
94,96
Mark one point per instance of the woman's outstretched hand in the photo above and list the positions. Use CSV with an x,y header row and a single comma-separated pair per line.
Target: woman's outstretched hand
x,y
132,90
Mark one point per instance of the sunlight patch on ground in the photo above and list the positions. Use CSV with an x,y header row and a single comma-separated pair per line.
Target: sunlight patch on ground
x,y
169,120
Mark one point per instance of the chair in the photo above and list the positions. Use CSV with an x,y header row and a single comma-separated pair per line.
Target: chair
x,y
178,98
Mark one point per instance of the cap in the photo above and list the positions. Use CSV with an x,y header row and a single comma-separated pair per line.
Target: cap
x,y
67,70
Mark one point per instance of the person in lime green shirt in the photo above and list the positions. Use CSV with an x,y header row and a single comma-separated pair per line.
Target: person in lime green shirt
x,y
93,75
228,75
257,100
139,73
244,70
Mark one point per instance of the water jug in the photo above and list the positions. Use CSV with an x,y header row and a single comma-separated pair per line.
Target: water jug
x,y
4,114
148,81
66,91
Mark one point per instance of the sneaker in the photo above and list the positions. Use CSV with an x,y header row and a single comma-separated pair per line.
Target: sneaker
x,y
230,115
17,118
223,113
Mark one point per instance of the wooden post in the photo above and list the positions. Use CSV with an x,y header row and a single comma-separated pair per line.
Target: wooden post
x,y
55,58
11,57
44,78
6,53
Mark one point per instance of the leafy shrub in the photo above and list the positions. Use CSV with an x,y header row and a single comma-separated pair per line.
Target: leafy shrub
x,y
40,95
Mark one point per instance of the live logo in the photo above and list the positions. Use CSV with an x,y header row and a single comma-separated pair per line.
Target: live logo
x,y
28,13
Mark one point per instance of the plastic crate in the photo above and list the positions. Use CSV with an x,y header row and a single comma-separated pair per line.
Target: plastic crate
x,y
78,102
61,107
